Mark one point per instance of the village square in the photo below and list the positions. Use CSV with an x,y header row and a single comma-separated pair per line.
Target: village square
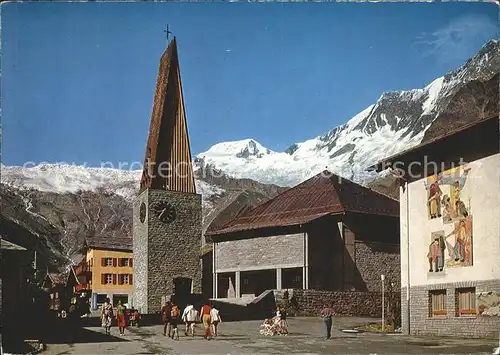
x,y
328,265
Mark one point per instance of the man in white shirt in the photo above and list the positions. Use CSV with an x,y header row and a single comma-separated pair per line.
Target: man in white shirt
x,y
190,317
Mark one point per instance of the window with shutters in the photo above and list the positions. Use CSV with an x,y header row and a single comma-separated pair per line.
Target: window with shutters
x,y
108,262
108,279
124,280
124,262
465,299
437,303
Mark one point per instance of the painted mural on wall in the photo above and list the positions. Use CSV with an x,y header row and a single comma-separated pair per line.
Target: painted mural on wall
x,y
488,303
436,254
444,194
452,245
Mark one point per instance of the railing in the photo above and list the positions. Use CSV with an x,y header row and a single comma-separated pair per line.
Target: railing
x,y
83,287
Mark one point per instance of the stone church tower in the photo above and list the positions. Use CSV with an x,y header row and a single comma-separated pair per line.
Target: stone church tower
x,y
167,211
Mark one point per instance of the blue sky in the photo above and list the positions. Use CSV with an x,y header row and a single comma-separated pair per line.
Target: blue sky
x,y
78,78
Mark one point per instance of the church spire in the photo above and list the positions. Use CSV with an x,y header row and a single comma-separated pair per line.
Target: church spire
x,y
167,164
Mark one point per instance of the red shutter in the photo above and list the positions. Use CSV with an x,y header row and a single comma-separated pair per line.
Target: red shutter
x,y
114,262
120,262
103,261
120,280
130,262
114,279
103,281
130,279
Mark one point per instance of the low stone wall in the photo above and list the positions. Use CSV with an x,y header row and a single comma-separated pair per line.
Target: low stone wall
x,y
348,303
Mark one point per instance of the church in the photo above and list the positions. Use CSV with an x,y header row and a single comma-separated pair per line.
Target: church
x,y
327,233
167,215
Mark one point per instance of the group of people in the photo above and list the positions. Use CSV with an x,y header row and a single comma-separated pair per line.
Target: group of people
x,y
107,315
276,325
172,317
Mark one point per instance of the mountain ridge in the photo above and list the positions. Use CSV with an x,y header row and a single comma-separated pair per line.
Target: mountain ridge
x,y
54,206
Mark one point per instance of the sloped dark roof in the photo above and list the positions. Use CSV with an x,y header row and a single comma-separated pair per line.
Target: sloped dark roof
x,y
110,243
321,195
6,245
59,278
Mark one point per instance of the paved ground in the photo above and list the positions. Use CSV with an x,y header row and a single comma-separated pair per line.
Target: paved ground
x,y
244,338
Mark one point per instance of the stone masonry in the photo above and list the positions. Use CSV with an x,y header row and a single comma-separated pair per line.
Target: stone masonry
x,y
422,323
375,259
260,253
163,252
360,304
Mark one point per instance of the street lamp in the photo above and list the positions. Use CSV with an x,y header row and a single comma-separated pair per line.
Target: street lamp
x,y
382,277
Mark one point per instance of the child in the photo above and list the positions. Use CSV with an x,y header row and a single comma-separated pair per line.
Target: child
x,y
215,319
175,319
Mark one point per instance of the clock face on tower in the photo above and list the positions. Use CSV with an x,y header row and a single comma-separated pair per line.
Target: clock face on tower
x,y
142,212
164,211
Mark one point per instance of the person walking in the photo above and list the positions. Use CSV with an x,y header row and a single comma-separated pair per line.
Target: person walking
x,y
215,319
121,317
107,315
205,317
326,315
190,317
175,319
165,318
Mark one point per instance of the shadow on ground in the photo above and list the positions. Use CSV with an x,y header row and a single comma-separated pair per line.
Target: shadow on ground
x,y
79,335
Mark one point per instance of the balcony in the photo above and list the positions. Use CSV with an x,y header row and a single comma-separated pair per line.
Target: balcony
x,y
82,269
83,287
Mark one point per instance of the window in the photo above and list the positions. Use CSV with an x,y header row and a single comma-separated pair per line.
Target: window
x,y
466,301
107,279
297,279
437,301
108,262
123,279
125,262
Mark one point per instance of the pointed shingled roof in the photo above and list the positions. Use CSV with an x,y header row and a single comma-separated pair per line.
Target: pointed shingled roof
x,y
168,141
323,194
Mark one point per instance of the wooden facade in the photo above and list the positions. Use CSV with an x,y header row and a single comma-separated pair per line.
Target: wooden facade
x,y
167,164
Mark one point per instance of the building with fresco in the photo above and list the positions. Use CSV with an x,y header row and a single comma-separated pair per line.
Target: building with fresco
x,y
450,232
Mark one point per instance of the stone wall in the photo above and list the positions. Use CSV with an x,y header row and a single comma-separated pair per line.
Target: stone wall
x,y
422,323
358,304
260,253
140,252
375,259
172,249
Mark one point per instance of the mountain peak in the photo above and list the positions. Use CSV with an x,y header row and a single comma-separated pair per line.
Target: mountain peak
x,y
244,148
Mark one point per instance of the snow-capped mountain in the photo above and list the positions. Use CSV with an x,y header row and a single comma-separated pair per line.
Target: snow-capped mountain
x,y
56,206
397,121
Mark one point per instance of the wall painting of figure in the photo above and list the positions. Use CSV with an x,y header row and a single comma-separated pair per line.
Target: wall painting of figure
x,y
444,194
436,253
459,243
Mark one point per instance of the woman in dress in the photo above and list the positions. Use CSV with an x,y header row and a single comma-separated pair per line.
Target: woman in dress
x,y
107,316
121,318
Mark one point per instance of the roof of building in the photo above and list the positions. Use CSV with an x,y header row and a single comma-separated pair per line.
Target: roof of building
x,y
111,243
321,195
6,245
59,277
385,163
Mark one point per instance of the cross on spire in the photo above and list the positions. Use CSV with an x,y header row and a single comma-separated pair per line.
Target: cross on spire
x,y
167,33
